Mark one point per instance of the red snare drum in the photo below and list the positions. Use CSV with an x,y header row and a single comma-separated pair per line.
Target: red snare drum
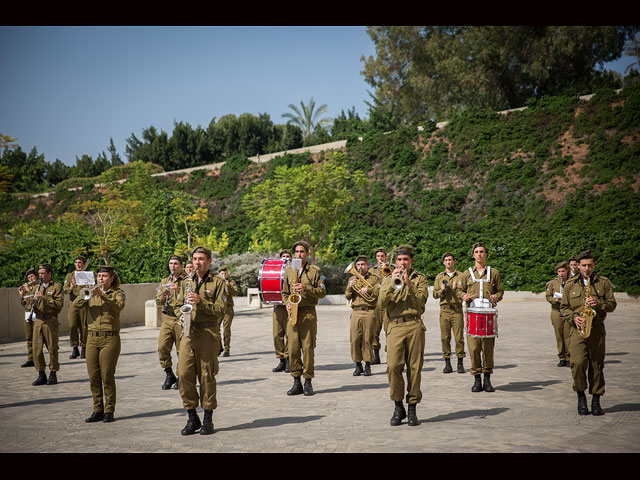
x,y
270,279
482,322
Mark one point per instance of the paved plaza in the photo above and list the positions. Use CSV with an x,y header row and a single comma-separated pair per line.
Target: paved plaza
x,y
532,410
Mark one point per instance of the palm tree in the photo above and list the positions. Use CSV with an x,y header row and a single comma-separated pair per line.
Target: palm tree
x,y
307,117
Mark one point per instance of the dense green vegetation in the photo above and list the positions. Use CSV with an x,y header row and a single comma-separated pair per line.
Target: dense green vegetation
x,y
536,185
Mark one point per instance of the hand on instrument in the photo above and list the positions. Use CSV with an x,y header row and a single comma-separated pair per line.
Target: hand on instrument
x,y
493,298
298,287
578,321
21,290
193,298
363,291
466,297
592,301
288,308
352,282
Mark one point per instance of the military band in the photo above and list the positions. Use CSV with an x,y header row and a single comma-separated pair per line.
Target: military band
x,y
196,304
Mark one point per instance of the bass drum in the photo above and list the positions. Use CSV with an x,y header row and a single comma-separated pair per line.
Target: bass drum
x,y
270,280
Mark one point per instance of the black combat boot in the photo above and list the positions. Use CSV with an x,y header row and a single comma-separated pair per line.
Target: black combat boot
x,y
582,404
297,387
358,371
75,353
596,409
477,384
308,388
53,379
286,368
460,366
41,380
399,414
83,351
447,366
95,417
412,418
487,387
193,423
108,417
376,356
175,385
169,380
28,363
207,423
367,369
281,366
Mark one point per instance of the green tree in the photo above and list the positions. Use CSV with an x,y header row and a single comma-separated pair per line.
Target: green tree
x,y
305,202
433,72
307,117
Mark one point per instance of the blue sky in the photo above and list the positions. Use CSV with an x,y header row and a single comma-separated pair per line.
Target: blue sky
x,y
68,90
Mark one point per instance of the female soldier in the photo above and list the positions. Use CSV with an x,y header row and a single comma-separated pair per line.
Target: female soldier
x,y
103,341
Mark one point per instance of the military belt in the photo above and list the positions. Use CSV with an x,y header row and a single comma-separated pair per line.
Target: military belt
x,y
446,306
203,324
405,319
363,307
96,333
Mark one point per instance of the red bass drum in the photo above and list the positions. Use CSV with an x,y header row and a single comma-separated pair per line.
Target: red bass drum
x,y
270,279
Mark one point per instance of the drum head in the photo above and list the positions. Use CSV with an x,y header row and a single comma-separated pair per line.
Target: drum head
x,y
270,280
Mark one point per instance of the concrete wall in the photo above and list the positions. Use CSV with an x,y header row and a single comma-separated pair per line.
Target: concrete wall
x,y
140,308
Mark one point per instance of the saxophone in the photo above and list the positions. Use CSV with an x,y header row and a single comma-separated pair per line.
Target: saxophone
x,y
187,308
586,313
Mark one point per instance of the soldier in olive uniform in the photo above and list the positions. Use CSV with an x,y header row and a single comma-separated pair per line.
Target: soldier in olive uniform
x,y
573,266
170,331
363,316
26,294
47,304
301,335
103,341
77,321
382,316
199,346
405,293
481,349
561,328
444,288
230,291
587,354
280,319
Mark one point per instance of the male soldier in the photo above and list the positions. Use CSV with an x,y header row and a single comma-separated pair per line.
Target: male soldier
x,y
573,266
47,304
405,293
26,293
481,348
561,328
188,268
280,319
445,288
303,325
76,316
170,331
587,354
230,291
364,298
382,317
198,353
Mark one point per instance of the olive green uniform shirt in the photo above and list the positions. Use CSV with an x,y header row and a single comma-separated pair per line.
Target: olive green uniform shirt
x,y
573,298
450,296
313,285
172,299
492,287
357,300
405,302
212,304
103,312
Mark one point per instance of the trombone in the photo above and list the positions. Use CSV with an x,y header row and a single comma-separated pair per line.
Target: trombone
x,y
387,267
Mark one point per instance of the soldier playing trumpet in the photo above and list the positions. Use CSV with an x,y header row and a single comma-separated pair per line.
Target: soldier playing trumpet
x,y
76,316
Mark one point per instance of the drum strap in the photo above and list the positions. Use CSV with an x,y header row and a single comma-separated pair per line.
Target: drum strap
x,y
481,281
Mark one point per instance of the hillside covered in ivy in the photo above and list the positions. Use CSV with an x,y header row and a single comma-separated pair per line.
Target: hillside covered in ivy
x,y
536,185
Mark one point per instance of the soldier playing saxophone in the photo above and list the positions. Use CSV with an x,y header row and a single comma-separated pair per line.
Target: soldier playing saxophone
x,y
586,353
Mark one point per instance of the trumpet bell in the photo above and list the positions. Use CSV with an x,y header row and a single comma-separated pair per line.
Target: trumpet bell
x,y
85,293
397,283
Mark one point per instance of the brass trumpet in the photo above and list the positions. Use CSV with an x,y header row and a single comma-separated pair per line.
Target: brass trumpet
x,y
387,267
397,282
85,293
360,282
